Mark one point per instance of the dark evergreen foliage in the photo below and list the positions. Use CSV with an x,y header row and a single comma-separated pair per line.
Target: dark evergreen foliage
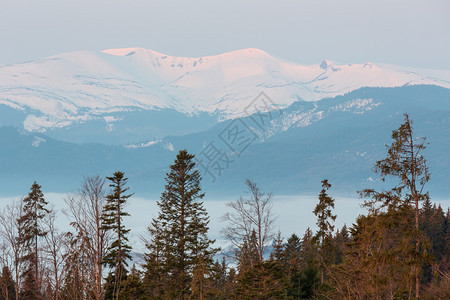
x,y
292,265
133,287
31,230
30,286
263,281
7,286
405,162
179,243
112,219
323,236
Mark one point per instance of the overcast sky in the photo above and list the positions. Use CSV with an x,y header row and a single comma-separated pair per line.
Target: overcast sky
x,y
403,32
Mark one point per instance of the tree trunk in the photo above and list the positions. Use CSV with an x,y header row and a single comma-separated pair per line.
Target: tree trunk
x,y
417,245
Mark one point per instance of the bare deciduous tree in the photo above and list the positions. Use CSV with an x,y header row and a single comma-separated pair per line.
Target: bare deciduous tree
x,y
84,212
10,231
53,250
250,214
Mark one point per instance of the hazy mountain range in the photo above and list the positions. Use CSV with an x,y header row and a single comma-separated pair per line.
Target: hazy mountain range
x,y
285,125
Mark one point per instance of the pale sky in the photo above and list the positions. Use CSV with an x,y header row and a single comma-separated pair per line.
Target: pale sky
x,y
403,32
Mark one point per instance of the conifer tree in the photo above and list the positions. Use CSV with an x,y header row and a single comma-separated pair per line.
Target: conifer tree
x,y
292,249
309,277
7,285
133,287
339,241
261,280
405,162
325,228
432,224
179,234
377,261
247,255
293,269
112,219
277,248
222,280
30,224
154,276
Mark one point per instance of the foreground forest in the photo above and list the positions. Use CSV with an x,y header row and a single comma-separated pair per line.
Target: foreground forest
x,y
399,249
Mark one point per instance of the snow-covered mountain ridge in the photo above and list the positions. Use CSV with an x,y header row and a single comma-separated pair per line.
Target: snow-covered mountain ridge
x,y
76,87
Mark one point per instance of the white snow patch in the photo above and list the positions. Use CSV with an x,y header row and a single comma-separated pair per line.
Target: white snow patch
x,y
41,124
169,146
37,141
307,119
12,105
110,119
110,122
358,106
143,145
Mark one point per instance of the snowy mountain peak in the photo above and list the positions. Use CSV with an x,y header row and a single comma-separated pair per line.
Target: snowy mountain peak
x,y
130,51
138,50
76,87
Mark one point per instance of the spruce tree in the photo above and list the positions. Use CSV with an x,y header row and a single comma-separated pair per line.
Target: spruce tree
x,y
179,234
154,276
277,248
133,287
339,241
31,230
325,228
432,223
293,268
309,279
292,249
112,219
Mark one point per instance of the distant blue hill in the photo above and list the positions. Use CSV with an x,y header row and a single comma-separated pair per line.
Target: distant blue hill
x,y
287,152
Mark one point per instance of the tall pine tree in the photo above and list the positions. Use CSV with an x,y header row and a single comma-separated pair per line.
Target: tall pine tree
x,y
112,219
31,227
179,241
325,228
